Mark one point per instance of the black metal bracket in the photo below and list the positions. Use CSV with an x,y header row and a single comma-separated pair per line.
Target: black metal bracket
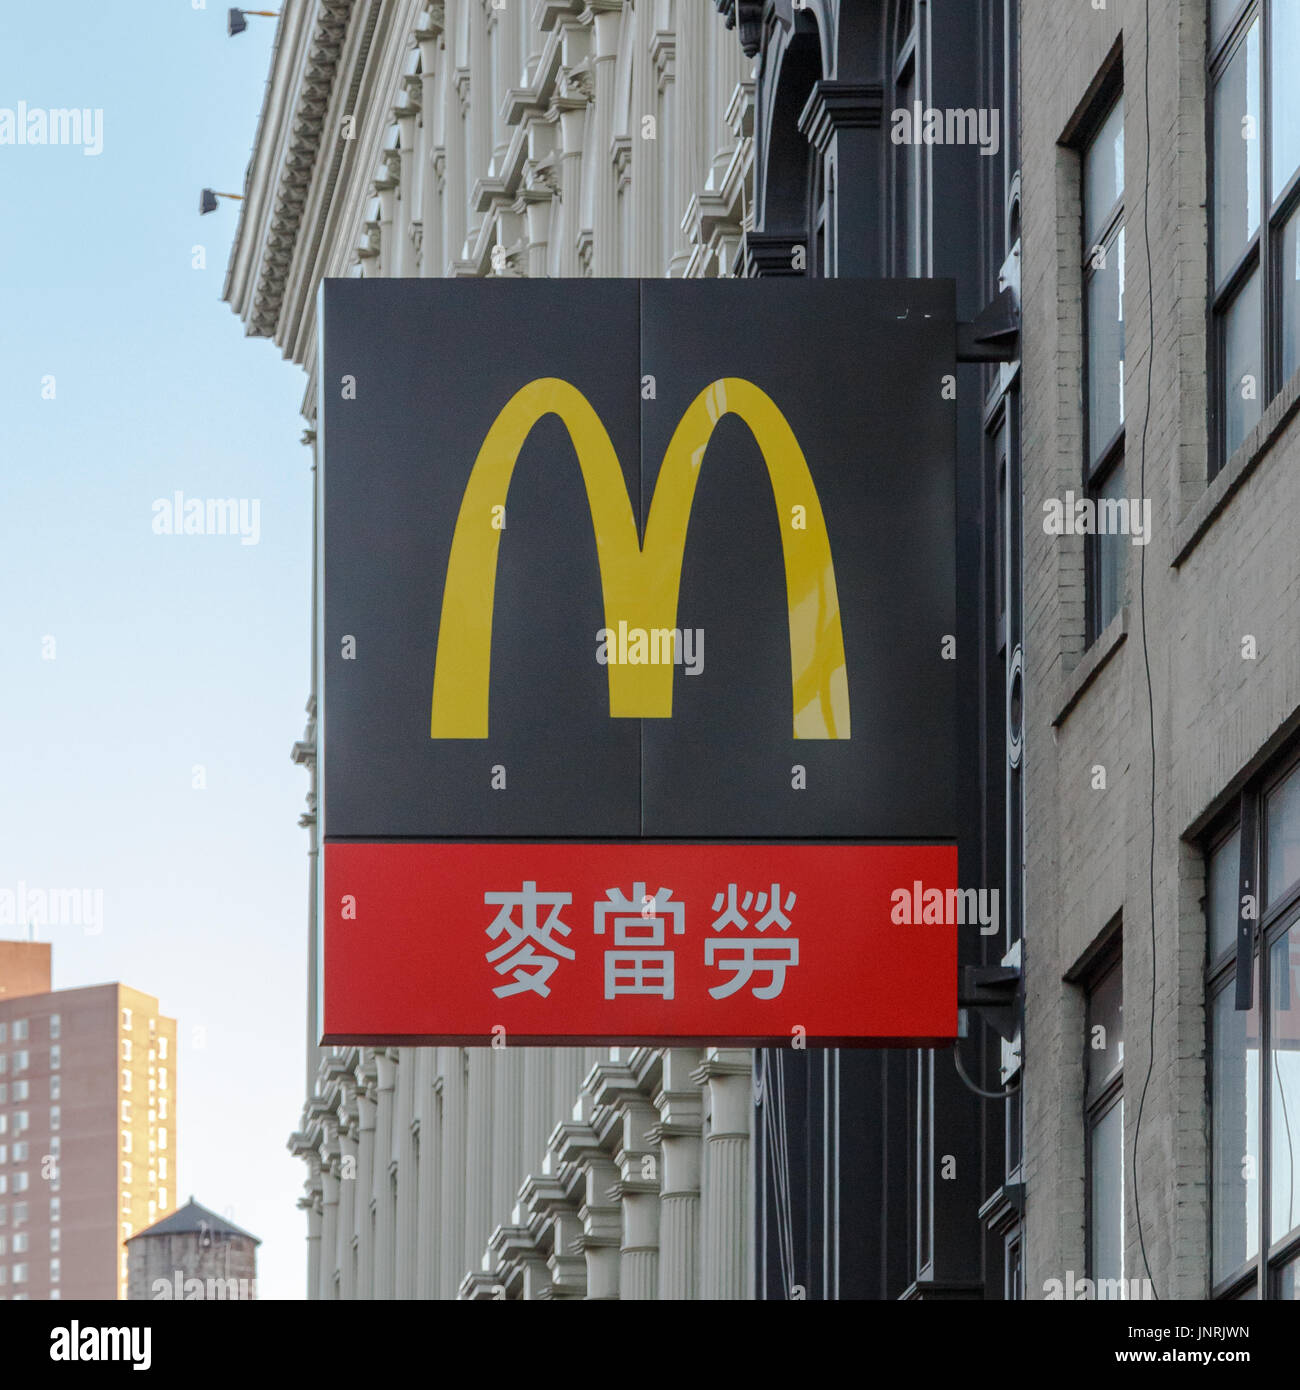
x,y
991,991
994,335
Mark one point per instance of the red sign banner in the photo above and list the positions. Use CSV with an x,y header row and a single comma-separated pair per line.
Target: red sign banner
x,y
640,943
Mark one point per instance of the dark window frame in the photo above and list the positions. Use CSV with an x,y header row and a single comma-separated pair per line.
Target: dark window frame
x,y
1260,1274
1110,457
1097,1105
1263,252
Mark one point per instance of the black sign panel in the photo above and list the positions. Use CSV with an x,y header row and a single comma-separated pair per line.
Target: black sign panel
x,y
608,559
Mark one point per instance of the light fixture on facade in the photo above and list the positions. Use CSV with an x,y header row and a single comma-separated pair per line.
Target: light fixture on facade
x,y
208,200
237,20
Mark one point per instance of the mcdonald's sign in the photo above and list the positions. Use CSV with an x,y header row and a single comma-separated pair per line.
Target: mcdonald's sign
x,y
636,660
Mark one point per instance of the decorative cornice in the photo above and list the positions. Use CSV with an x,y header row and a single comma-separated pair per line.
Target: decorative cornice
x,y
305,128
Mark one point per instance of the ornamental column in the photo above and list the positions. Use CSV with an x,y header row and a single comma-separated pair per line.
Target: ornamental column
x,y
383,1282
365,1178
347,1211
725,1265
637,1188
692,129
429,1175
432,124
508,1161
481,1156
408,207
330,1156
607,19
406,1146
679,1135
450,1230
602,1226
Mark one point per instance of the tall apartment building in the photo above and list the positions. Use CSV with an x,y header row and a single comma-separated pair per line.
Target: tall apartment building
x,y
87,1135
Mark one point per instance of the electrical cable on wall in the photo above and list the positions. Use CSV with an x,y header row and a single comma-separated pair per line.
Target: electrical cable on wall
x,y
1142,610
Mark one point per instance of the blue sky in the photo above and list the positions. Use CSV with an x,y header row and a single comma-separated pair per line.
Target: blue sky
x,y
170,651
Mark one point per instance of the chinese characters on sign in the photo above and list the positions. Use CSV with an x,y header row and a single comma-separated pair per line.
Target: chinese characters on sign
x,y
632,941
640,964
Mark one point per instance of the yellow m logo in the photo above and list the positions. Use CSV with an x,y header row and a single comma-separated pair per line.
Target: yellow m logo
x,y
640,582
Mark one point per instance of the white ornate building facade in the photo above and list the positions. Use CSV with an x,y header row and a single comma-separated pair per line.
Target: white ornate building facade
x,y
523,138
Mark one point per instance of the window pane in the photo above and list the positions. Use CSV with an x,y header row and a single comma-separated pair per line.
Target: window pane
x,y
1291,297
1236,156
1234,1115
1282,836
1112,556
1221,16
1289,1283
1284,1022
1105,347
1105,1049
1242,384
1106,1195
1103,176
1286,93
1221,895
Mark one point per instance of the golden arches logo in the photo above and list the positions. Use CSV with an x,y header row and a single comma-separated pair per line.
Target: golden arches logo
x,y
640,582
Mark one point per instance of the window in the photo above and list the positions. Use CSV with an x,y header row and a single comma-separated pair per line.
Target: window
x,y
4,1032
4,1214
54,1146
20,1182
22,1060
56,1238
20,1213
56,1057
126,1170
126,1020
162,1078
21,1122
54,1026
911,158
20,1030
20,1274
162,1169
1255,1052
126,1049
55,1203
20,1244
56,1086
4,1184
162,1137
1103,326
1255,213
4,1093
21,1090
162,1047
55,1115
162,1196
1104,1103
54,1271
126,1080
4,1123
4,1063
162,1107
20,1152
4,1245
4,1153
126,1141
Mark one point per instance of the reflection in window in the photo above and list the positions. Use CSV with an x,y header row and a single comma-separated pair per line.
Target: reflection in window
x,y
1253,202
1284,1034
